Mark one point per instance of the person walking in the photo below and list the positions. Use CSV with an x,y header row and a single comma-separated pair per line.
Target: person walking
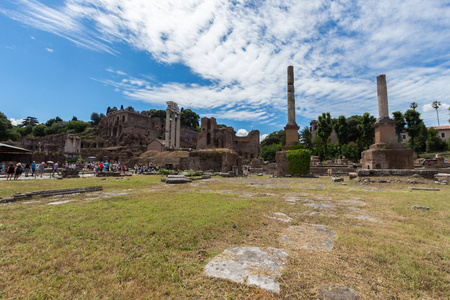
x,y
33,168
18,171
41,169
10,170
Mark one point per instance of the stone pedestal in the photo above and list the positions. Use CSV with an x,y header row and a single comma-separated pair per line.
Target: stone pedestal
x,y
291,135
386,153
387,159
282,163
385,136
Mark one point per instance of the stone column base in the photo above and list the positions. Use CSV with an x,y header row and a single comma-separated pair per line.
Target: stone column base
x,y
387,159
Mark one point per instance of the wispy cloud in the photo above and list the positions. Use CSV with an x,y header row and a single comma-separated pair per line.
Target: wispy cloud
x,y
337,48
49,50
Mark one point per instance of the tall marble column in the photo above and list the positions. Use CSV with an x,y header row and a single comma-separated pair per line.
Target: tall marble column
x,y
291,127
383,109
172,131
291,96
167,130
178,133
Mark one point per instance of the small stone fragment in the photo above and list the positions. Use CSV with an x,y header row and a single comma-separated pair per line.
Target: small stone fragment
x,y
420,207
337,292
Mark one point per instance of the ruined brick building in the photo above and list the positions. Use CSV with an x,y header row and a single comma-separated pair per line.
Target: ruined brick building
x,y
213,136
128,128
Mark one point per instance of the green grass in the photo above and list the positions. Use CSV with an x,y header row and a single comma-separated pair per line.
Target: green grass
x,y
155,242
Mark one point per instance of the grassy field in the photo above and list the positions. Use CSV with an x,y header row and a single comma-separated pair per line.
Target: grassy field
x,y
143,239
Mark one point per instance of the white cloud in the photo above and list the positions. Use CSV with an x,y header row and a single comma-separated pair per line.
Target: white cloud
x,y
336,48
49,50
16,122
242,132
263,137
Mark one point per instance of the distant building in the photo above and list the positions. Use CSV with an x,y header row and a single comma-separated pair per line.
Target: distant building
x,y
213,136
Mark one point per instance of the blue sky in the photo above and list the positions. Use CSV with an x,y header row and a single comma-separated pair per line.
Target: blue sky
x,y
226,59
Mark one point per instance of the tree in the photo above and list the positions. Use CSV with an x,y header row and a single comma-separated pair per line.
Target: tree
x,y
276,137
436,105
95,118
51,121
77,126
306,138
27,130
129,108
74,118
39,130
189,118
366,131
153,113
29,121
399,124
413,123
340,127
324,129
5,128
434,142
352,124
413,105
268,152
57,127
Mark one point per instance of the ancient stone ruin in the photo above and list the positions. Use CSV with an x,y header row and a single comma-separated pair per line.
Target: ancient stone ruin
x,y
213,136
291,126
386,153
173,127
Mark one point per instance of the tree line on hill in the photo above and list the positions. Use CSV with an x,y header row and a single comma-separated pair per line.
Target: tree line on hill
x,y
354,135
31,127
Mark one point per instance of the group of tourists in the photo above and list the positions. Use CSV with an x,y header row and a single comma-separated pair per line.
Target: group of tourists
x,y
14,171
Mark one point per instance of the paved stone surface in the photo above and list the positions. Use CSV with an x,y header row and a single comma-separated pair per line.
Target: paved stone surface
x,y
308,237
250,265
337,292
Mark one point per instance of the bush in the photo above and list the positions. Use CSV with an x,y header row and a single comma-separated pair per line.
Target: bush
x,y
299,161
165,171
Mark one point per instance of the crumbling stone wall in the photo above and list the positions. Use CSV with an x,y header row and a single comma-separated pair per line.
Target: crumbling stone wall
x,y
212,137
126,127
217,160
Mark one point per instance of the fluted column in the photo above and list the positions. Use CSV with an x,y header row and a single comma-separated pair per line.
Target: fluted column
x,y
172,131
178,134
167,130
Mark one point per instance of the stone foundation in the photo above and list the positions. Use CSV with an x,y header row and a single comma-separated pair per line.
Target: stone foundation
x,y
387,159
396,172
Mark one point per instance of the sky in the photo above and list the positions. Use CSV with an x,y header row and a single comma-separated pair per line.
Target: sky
x,y
223,59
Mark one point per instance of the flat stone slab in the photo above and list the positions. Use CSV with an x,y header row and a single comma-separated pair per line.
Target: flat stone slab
x,y
60,202
308,237
337,292
362,217
422,189
280,217
250,265
321,205
420,207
